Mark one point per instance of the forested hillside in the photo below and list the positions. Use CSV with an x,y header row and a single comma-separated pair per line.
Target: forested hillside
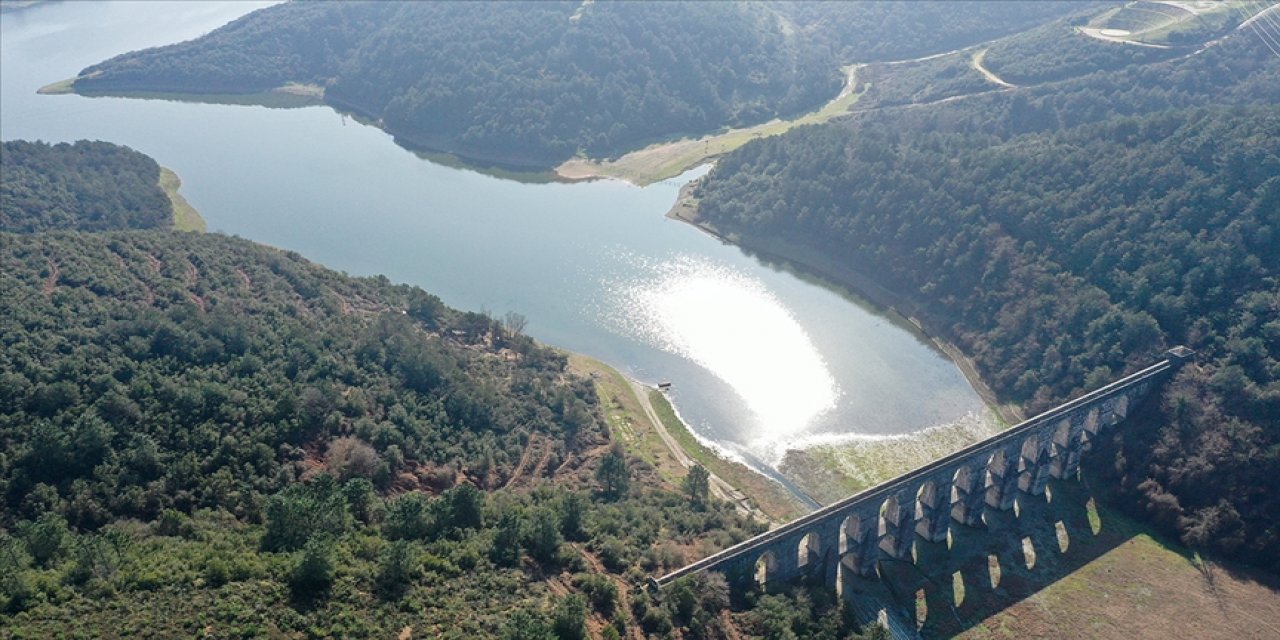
x,y
188,418
1064,234
526,83
89,186
892,30
264,359
202,436
535,83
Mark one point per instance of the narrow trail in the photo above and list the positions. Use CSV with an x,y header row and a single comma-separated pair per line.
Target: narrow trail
x,y
524,462
52,281
193,278
977,63
624,589
541,467
244,278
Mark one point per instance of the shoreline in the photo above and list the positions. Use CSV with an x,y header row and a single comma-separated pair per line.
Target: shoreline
x,y
898,306
650,433
829,472
290,95
664,160
185,216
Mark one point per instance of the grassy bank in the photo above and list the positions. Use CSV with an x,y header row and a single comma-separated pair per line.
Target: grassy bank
x,y
771,497
630,424
670,159
289,96
61,87
185,217
830,472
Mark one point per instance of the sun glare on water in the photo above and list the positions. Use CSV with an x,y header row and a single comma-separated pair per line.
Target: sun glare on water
x,y
731,325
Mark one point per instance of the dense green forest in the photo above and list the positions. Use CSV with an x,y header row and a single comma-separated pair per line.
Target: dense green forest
x,y
88,186
198,417
202,436
264,359
1065,234
536,83
526,83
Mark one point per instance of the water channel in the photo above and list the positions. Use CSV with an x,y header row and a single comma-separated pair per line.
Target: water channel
x,y
761,359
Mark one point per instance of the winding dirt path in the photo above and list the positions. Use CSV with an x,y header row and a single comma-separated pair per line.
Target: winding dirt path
x,y
977,63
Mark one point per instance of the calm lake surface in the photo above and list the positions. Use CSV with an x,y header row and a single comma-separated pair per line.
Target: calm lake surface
x,y
761,359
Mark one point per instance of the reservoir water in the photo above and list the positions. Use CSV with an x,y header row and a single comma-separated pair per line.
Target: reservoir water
x,y
761,359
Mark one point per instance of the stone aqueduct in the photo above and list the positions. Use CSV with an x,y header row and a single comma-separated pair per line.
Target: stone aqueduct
x,y
854,534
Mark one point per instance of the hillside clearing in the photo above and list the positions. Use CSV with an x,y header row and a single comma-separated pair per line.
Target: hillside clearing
x,y
670,159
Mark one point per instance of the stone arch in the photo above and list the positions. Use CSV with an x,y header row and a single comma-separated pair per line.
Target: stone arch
x,y
1121,410
859,544
996,464
962,480
1035,463
1030,451
809,550
897,523
888,509
1002,477
968,493
850,534
933,508
1091,422
1060,446
926,497
1062,432
766,568
1106,412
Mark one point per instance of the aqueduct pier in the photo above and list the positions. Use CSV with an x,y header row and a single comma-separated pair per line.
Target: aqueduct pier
x,y
854,534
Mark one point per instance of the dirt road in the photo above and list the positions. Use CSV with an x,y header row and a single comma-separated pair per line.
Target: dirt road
x,y
719,488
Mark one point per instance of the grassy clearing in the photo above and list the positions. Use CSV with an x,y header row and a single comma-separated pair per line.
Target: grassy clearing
x,y
666,160
185,217
1170,23
627,421
831,472
313,91
771,497
1133,583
